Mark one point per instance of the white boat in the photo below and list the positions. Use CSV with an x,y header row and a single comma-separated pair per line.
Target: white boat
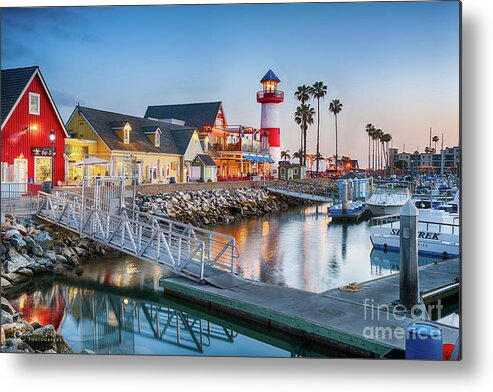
x,y
388,200
438,233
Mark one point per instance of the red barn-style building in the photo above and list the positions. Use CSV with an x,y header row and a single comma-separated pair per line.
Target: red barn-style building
x,y
33,133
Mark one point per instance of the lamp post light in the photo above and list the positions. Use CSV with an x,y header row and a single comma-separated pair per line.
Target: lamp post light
x,y
52,140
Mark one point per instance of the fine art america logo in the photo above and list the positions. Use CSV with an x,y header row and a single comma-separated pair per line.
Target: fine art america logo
x,y
398,313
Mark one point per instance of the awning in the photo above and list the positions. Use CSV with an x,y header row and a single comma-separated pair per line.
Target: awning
x,y
91,161
270,160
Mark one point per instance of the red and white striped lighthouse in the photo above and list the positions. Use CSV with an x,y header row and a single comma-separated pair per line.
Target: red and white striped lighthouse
x,y
270,98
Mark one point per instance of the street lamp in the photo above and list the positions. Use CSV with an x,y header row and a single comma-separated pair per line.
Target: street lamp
x,y
52,137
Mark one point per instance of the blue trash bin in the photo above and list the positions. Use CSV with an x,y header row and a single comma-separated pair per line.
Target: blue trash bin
x,y
424,341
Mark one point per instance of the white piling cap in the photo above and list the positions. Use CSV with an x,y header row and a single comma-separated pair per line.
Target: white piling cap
x,y
409,209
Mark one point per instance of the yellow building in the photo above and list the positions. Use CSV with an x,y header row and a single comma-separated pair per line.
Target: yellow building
x,y
153,151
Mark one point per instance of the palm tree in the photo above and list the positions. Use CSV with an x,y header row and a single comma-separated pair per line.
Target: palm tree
x,y
302,94
370,128
304,117
285,156
297,155
317,91
374,137
386,138
378,138
435,140
335,107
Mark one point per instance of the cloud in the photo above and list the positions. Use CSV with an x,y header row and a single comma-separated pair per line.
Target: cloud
x,y
60,22
15,51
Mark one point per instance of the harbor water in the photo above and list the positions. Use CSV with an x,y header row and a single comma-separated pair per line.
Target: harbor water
x,y
116,306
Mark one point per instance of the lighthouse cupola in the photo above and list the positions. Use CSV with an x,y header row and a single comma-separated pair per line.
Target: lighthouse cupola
x,y
270,98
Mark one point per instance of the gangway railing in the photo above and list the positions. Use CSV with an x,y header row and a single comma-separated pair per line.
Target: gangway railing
x,y
181,248
220,249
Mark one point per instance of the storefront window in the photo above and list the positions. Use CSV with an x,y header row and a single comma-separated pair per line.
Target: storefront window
x,y
42,169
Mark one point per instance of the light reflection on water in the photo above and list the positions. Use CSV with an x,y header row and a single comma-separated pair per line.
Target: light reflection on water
x,y
303,249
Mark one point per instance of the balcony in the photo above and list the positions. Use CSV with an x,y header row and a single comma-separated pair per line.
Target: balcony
x,y
270,96
236,147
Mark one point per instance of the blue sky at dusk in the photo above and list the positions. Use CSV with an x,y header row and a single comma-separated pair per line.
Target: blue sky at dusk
x,y
393,64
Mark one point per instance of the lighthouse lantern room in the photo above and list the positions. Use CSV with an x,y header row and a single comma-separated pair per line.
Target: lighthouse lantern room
x,y
270,98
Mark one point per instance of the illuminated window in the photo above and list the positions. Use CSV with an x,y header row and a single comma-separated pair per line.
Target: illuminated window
x,y
126,133
157,141
42,169
34,103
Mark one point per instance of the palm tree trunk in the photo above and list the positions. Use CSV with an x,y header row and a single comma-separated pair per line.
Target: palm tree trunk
x,y
369,161
337,166
301,144
305,129
318,132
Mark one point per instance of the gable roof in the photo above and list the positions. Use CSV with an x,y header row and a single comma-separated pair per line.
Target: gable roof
x,y
101,122
270,76
12,83
194,114
182,138
206,159
288,164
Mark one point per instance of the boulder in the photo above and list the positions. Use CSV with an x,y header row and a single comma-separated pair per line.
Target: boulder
x,y
15,262
7,306
45,240
51,256
41,339
16,278
36,249
17,242
6,285
9,233
16,329
17,345
5,317
3,342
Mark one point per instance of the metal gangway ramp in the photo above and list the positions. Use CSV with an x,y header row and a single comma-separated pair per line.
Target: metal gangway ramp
x,y
185,249
318,193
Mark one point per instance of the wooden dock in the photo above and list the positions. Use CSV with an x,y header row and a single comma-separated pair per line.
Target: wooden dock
x,y
359,323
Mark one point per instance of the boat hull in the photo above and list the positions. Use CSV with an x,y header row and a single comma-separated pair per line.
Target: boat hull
x,y
381,210
430,242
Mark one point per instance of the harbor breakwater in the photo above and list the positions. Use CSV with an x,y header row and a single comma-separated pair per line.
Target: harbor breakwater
x,y
215,206
29,248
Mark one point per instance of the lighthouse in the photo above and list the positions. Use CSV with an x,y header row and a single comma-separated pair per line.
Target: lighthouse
x,y
270,98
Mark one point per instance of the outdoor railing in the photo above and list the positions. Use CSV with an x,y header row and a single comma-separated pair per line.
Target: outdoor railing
x,y
270,94
392,220
183,248
19,198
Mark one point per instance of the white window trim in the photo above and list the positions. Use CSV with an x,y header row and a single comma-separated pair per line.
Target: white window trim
x,y
126,135
38,96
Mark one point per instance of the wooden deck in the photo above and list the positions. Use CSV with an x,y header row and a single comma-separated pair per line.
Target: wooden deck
x,y
339,319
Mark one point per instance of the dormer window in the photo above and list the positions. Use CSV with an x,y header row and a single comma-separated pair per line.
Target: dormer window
x,y
34,103
126,133
157,136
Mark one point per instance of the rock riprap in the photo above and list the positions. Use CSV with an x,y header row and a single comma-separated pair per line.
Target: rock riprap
x,y
210,207
29,248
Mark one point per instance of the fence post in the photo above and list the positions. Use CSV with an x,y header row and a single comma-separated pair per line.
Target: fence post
x,y
409,278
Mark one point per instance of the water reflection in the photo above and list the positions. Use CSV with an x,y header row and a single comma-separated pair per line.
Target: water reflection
x,y
303,249
109,323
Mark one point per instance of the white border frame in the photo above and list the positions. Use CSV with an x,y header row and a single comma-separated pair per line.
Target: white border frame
x,y
38,96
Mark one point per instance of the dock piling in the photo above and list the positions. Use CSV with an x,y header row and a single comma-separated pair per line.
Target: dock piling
x,y
344,196
409,279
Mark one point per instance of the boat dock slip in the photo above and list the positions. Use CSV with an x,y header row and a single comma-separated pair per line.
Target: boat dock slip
x,y
358,322
301,195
